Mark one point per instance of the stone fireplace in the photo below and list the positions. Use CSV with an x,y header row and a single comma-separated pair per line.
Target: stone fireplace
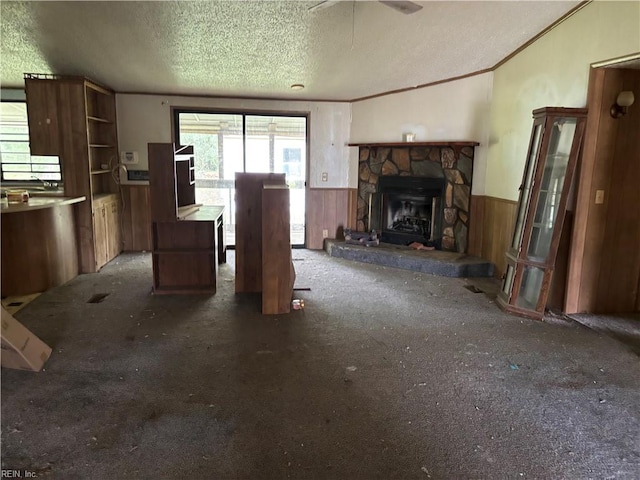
x,y
416,192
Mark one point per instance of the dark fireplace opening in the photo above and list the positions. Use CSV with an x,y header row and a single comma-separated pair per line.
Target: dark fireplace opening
x,y
408,209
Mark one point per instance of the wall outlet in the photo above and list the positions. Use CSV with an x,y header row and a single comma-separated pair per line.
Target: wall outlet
x,y
325,233
599,197
325,176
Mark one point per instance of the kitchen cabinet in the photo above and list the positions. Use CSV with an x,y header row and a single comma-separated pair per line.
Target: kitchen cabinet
x,y
551,162
42,114
75,118
106,227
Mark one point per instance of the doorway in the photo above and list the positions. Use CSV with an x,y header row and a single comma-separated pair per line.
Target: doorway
x,y
604,256
258,142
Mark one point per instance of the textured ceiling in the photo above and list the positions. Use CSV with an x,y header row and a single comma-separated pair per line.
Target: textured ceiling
x,y
259,48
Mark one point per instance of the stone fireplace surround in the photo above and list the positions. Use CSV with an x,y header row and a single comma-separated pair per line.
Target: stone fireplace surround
x,y
450,161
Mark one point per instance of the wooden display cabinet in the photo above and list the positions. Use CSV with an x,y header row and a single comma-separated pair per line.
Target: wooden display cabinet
x,y
553,151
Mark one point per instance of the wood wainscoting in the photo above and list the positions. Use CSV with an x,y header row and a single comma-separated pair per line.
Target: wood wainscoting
x,y
331,209
491,229
136,218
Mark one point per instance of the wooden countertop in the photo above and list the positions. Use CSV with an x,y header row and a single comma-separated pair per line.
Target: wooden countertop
x,y
38,203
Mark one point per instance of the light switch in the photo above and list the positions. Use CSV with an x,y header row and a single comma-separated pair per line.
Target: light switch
x,y
599,197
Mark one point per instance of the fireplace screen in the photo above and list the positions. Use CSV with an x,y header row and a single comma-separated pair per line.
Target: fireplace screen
x,y
409,214
407,209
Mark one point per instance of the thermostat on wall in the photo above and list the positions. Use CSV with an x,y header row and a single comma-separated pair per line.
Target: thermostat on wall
x,y
129,158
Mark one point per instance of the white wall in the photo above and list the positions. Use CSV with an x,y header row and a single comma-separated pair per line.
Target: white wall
x,y
552,72
456,110
144,119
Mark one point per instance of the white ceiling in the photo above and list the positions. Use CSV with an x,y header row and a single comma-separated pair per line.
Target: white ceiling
x,y
259,48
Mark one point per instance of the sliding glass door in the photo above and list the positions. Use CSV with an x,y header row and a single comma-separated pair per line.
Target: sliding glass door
x,y
226,143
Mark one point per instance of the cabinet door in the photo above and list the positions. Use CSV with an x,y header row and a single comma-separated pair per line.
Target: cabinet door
x,y
100,236
113,229
42,112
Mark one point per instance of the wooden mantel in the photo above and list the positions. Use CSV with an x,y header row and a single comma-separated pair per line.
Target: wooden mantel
x,y
441,143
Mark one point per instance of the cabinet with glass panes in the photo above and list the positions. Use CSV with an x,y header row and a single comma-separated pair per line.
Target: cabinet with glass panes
x,y
551,160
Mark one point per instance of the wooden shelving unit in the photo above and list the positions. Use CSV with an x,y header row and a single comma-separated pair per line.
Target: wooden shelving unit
x,y
75,118
186,237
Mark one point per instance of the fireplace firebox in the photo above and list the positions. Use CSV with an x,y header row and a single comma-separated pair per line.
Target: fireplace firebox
x,y
408,209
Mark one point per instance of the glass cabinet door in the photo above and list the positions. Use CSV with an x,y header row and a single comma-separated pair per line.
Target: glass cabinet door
x,y
555,141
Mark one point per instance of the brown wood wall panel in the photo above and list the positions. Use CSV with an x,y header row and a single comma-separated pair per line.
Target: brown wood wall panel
x,y
476,216
620,257
604,261
49,258
331,209
491,229
136,218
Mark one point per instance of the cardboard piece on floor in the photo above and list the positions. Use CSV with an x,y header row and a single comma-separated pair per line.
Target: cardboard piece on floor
x,y
21,349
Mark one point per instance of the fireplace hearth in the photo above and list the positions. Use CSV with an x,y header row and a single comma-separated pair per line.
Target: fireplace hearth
x,y
434,203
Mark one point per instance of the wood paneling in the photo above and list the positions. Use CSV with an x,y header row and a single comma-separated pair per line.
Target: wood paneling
x,y
39,250
604,263
136,218
331,209
491,229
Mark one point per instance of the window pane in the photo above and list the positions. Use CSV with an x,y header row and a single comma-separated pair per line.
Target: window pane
x,y
530,287
12,147
45,159
15,157
16,167
551,185
218,149
17,164
39,167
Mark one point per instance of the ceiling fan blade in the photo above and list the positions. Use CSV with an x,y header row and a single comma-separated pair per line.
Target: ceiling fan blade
x,y
405,7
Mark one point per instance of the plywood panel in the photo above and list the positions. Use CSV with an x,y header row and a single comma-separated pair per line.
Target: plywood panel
x,y
249,228
136,218
185,271
277,280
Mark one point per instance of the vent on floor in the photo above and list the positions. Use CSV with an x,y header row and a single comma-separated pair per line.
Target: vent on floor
x,y
98,297
473,288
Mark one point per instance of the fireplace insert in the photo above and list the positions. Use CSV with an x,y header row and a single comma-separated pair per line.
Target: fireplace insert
x,y
408,209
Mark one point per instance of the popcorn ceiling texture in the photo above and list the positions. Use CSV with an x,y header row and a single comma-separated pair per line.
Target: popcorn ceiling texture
x,y
259,48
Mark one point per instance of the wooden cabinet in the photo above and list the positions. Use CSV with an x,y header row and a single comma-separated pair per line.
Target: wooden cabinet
x,y
553,151
106,228
75,119
42,113
186,237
